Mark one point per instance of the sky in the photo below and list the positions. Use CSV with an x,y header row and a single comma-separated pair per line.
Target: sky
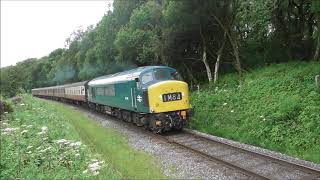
x,y
33,29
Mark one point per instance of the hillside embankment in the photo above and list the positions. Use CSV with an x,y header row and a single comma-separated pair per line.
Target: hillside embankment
x,y
277,107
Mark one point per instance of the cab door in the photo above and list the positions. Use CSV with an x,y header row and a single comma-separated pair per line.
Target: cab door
x,y
139,97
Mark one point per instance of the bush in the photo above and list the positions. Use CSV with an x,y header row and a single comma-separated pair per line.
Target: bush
x,y
6,107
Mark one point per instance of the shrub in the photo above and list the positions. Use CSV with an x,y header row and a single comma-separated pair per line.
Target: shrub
x,y
6,107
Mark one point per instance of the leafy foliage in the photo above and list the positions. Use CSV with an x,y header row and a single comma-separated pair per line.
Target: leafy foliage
x,y
178,34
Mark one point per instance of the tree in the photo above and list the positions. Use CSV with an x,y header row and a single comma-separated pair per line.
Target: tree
x,y
139,41
316,10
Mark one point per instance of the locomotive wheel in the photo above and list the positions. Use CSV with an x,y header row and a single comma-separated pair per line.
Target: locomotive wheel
x,y
178,127
118,114
126,116
153,127
136,119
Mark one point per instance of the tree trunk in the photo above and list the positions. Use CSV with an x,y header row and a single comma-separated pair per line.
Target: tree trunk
x,y
231,34
238,63
316,54
204,56
220,51
235,48
205,62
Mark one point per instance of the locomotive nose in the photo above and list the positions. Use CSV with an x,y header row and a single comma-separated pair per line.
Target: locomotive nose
x,y
168,96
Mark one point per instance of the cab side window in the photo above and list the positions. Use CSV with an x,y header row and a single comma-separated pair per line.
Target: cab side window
x,y
146,78
161,74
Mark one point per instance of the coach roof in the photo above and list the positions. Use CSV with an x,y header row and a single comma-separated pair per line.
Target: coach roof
x,y
63,86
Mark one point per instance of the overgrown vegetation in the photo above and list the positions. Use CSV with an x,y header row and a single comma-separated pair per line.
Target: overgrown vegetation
x,y
199,38
277,108
43,140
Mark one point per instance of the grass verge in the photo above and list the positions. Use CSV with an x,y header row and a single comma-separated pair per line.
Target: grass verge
x,y
113,147
44,140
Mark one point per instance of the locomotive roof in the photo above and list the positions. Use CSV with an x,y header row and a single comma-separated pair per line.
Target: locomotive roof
x,y
123,76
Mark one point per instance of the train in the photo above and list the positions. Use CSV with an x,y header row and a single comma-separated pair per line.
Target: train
x,y
155,97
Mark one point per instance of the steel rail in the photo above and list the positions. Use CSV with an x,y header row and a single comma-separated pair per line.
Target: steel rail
x,y
214,159
306,169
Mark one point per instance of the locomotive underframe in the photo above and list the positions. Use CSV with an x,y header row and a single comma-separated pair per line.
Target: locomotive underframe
x,y
157,122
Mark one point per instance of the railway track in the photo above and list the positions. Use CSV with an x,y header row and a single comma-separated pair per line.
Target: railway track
x,y
253,164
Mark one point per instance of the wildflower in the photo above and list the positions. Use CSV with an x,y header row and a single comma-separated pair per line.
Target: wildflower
x,y
6,112
29,147
95,166
261,116
9,130
264,119
22,104
23,125
44,150
232,111
29,152
24,131
44,128
4,123
85,171
225,104
40,133
62,142
224,90
75,144
29,126
77,155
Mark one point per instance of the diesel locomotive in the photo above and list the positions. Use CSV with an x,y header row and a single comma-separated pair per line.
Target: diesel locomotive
x,y
152,96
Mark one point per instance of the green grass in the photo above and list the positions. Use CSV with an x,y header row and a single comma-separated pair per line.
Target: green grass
x,y
113,147
21,161
277,108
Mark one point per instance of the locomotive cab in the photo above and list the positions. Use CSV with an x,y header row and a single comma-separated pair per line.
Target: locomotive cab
x,y
167,98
